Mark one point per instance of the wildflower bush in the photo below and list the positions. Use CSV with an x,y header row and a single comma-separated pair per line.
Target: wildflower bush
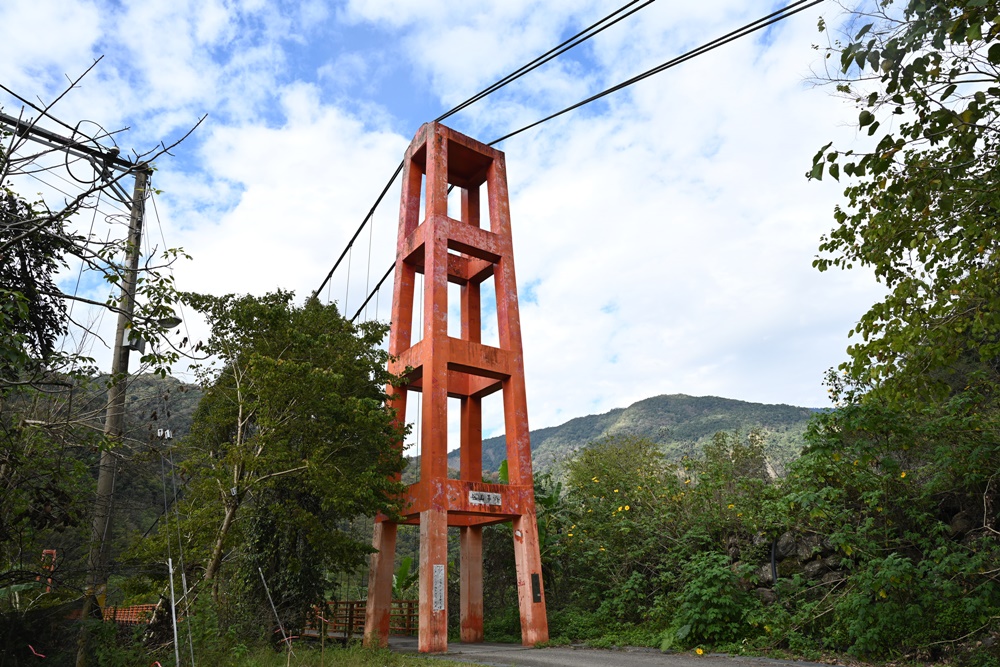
x,y
893,556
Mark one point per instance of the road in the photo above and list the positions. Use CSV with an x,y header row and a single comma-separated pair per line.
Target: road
x,y
506,655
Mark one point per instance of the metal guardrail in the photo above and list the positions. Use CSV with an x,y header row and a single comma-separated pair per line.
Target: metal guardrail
x,y
346,619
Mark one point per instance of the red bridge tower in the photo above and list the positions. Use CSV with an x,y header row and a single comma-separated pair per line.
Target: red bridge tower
x,y
463,368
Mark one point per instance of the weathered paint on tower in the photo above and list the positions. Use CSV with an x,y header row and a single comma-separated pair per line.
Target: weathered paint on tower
x,y
463,368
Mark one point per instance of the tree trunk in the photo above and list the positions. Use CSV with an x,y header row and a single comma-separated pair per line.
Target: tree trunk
x,y
216,561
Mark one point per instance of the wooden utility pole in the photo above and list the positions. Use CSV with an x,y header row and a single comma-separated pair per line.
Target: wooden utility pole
x,y
114,423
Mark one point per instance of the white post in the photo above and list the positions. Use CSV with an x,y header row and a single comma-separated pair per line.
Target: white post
x,y
173,612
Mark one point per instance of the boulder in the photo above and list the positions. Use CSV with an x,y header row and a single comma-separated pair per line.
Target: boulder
x,y
808,546
786,547
833,562
766,595
814,569
832,577
960,524
764,575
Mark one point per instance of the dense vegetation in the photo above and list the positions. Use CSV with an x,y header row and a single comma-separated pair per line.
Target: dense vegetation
x,y
878,549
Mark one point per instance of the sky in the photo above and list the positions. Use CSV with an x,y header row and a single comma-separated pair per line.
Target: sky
x,y
663,237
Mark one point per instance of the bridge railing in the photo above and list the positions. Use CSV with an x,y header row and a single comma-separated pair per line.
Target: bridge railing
x,y
346,618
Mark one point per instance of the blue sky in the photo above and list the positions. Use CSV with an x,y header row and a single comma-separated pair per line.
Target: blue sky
x,y
663,237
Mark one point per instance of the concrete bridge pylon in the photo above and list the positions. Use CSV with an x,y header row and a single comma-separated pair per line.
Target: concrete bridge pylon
x,y
464,252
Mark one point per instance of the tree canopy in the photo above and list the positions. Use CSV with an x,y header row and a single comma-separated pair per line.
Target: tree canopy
x,y
922,205
291,441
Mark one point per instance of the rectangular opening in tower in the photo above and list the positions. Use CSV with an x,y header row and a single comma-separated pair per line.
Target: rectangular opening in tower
x,y
470,205
411,445
493,456
454,310
454,426
484,207
488,326
417,321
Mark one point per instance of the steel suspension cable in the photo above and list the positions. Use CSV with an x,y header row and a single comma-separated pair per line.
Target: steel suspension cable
x,y
575,40
749,28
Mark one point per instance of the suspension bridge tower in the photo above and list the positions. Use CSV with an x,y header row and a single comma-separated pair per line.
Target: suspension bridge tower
x,y
464,252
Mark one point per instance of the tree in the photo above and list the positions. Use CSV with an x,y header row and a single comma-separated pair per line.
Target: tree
x,y
47,434
922,205
902,475
291,440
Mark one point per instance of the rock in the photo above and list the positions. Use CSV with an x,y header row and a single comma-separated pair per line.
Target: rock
x,y
761,538
786,546
808,546
814,569
960,524
832,562
832,577
764,575
734,552
766,595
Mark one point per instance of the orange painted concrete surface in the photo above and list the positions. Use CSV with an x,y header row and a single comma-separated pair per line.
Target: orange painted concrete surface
x,y
445,250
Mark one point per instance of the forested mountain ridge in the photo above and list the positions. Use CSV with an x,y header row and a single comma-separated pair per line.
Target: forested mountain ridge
x,y
680,424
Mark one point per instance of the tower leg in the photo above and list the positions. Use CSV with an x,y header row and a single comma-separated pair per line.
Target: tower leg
x,y
380,585
472,584
530,593
433,635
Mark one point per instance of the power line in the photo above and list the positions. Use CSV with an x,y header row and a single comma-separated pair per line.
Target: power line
x,y
552,53
749,28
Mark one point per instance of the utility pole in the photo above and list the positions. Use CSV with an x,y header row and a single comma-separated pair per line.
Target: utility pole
x,y
114,424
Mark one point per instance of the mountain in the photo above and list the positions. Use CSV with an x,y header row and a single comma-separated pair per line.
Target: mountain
x,y
680,424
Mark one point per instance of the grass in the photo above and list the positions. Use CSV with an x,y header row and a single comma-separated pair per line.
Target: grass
x,y
354,656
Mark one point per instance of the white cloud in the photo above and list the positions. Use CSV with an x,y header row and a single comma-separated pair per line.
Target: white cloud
x,y
666,232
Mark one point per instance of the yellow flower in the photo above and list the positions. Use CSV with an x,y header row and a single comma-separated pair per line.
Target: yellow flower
x,y
619,508
590,510
570,534
593,479
902,474
616,490
602,549
731,506
699,651
856,462
767,628
882,594
627,508
687,481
